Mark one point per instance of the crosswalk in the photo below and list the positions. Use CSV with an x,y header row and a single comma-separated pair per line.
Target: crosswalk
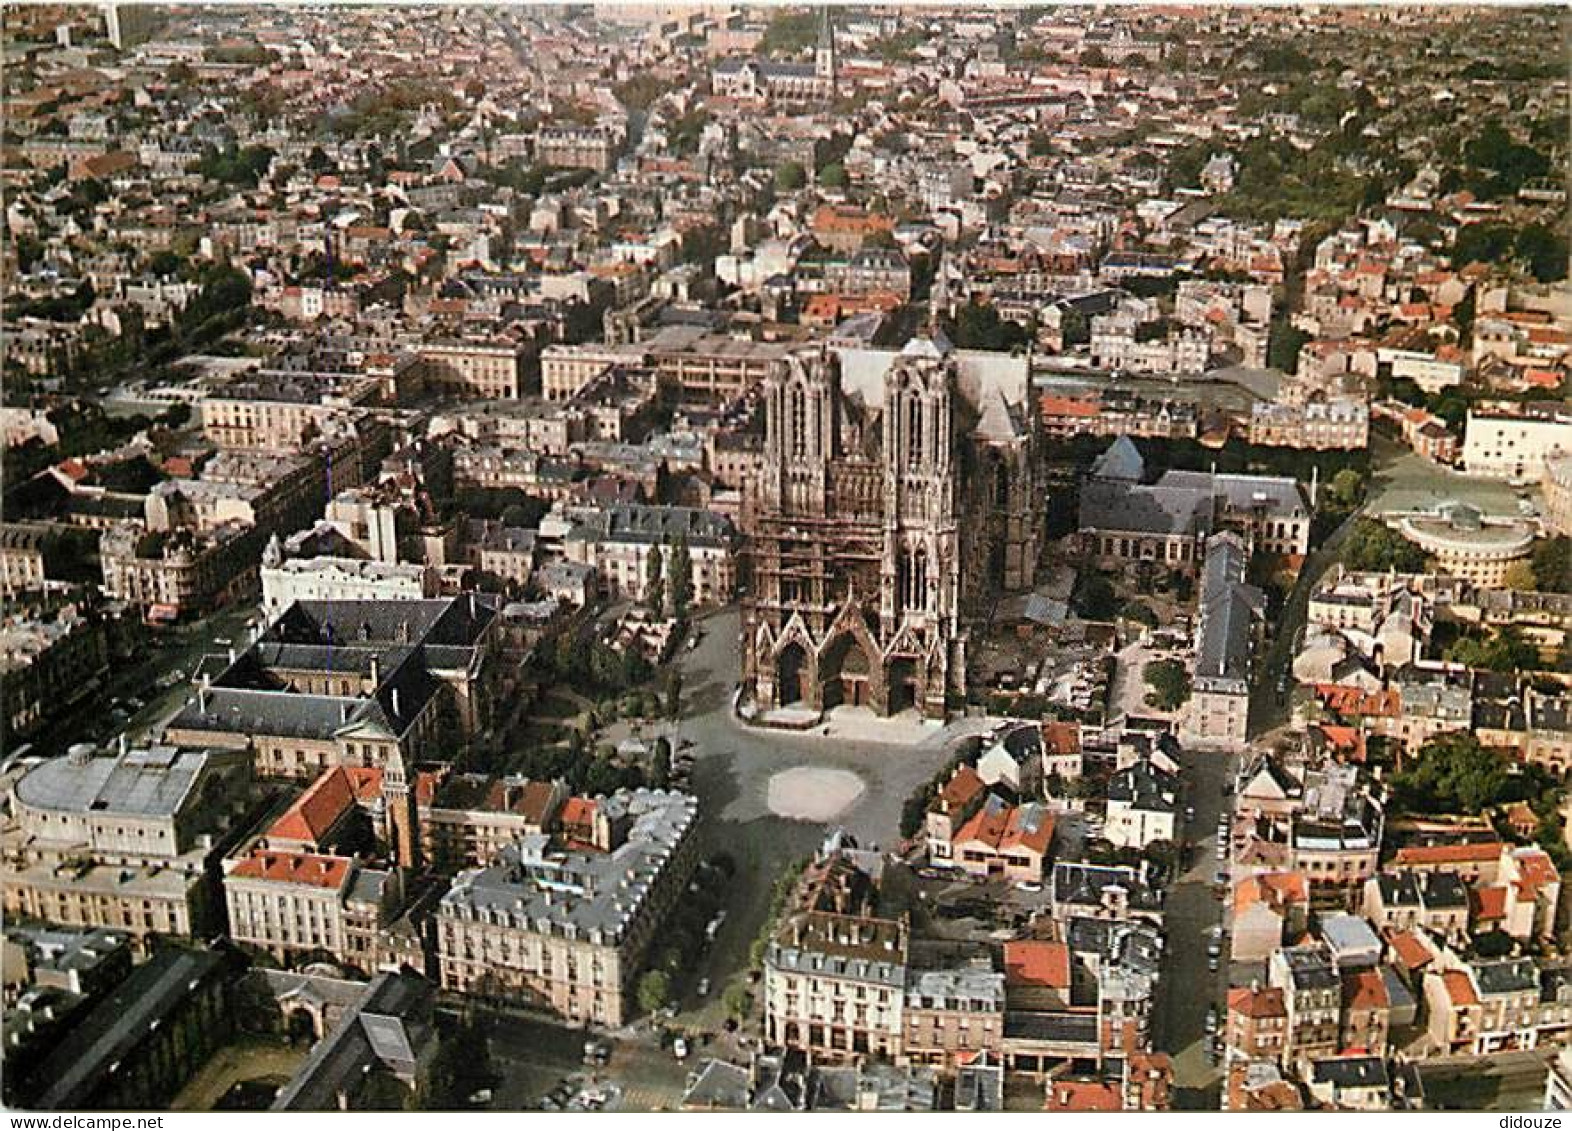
x,y
642,1098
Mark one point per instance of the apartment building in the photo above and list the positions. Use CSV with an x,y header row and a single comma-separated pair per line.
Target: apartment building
x,y
617,542
952,1015
488,370
565,369
294,904
47,665
834,984
707,368
1257,1022
1312,999
577,147
178,573
1333,424
288,580
563,923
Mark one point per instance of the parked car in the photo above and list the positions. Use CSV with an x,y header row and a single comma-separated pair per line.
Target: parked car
x,y
704,987
679,1048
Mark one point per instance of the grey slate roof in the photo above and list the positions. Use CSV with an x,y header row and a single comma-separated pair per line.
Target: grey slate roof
x,y
125,1019
1114,505
1350,1072
1145,786
388,1028
1229,607
648,525
1122,460
592,894
141,783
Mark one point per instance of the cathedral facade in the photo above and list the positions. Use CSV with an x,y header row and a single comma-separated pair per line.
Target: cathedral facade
x,y
891,509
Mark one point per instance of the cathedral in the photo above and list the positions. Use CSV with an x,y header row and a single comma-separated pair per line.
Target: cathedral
x,y
895,502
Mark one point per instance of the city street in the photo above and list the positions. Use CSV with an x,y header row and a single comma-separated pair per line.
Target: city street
x,y
180,648
1508,1081
1193,910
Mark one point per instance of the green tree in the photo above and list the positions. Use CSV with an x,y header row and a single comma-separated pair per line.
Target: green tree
x,y
978,326
654,991
674,694
1094,598
1453,773
654,587
1074,327
1283,343
790,33
1170,684
1506,650
1542,252
1552,565
660,765
833,175
1482,243
1371,546
738,1001
1346,489
680,578
790,177
1140,613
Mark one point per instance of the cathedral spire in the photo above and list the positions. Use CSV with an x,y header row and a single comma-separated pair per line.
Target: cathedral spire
x,y
824,54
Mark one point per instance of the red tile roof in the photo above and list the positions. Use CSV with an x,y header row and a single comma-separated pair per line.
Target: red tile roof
x,y
1365,989
964,785
1257,1004
1275,889
295,868
1489,904
315,812
1424,855
1061,738
1459,989
1032,962
1409,950
1535,870
1077,1095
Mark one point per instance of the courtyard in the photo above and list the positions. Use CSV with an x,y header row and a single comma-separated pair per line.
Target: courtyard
x,y
244,1075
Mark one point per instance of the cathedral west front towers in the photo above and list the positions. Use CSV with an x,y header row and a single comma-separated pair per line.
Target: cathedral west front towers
x,y
879,522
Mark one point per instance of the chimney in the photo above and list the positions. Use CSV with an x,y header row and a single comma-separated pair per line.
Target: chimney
x,y
376,673
396,711
122,744
231,657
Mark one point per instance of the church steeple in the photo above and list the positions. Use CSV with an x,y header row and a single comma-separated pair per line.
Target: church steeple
x,y
824,54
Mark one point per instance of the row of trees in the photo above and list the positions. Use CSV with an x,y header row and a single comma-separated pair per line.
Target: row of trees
x,y
668,579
